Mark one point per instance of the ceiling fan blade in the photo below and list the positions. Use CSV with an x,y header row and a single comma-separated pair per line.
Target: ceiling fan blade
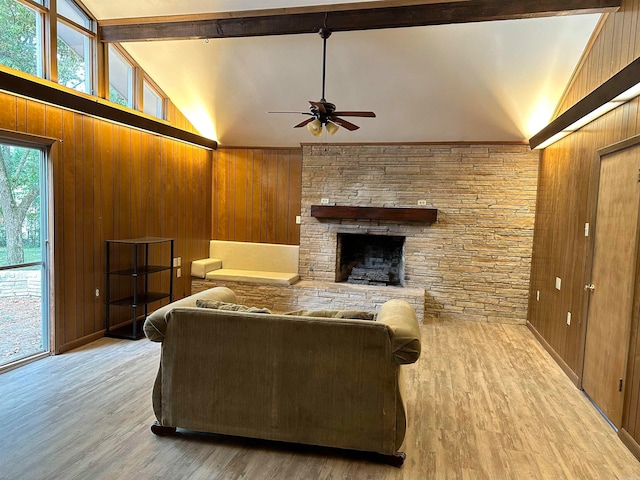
x,y
319,106
355,114
302,124
300,113
343,123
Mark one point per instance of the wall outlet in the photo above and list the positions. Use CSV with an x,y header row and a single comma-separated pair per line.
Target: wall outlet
x,y
324,201
298,219
175,262
558,283
179,261
97,292
179,272
568,318
422,203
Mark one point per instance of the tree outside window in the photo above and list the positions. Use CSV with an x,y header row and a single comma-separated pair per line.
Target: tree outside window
x,y
19,199
74,59
21,38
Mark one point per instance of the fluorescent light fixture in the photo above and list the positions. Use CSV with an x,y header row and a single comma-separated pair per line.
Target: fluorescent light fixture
x,y
618,90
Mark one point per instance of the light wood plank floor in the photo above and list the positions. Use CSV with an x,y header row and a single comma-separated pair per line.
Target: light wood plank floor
x,y
485,402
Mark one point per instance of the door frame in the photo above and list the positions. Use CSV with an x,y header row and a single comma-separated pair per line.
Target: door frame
x,y
593,193
51,148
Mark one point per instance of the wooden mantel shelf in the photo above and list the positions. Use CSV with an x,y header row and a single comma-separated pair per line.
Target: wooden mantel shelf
x,y
335,212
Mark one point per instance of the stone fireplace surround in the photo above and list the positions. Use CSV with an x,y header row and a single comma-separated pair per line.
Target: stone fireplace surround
x,y
472,265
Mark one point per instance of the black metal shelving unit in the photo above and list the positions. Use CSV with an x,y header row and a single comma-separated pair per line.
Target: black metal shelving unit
x,y
137,274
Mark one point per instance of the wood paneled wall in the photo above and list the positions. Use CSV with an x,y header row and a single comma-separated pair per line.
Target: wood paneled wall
x,y
256,195
560,246
110,181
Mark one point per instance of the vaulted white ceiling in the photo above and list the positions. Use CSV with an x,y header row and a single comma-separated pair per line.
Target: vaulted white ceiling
x,y
487,81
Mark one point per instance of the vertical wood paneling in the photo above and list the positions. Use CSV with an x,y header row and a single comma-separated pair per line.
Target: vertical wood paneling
x,y
256,195
564,195
295,186
110,181
8,116
88,273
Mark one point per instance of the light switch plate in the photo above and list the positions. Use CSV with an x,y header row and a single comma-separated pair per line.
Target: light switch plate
x,y
298,219
558,283
568,318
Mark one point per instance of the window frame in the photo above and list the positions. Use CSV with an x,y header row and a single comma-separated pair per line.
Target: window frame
x,y
107,70
90,33
147,80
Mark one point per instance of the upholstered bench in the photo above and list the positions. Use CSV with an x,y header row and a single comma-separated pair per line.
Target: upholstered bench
x,y
266,263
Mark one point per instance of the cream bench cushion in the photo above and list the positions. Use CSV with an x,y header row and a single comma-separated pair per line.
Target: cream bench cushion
x,y
253,276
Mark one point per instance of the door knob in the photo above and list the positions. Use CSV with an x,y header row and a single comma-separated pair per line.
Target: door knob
x,y
590,286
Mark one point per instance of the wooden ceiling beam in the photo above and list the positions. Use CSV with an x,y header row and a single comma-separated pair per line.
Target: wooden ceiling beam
x,y
263,23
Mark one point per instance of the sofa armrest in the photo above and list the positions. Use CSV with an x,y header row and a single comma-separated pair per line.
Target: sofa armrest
x,y
155,325
404,331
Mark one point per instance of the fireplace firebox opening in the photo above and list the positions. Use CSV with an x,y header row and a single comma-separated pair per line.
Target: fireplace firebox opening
x,y
370,259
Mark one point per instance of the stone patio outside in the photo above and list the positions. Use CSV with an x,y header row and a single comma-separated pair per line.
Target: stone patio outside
x,y
20,315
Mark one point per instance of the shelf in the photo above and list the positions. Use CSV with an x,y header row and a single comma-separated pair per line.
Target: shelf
x,y
130,272
132,280
409,215
141,240
143,299
126,331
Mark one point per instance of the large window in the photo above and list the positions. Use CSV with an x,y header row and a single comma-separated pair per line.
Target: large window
x,y
27,45
21,37
75,47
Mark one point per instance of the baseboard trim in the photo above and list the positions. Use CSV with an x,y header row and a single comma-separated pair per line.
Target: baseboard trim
x,y
629,442
80,342
558,359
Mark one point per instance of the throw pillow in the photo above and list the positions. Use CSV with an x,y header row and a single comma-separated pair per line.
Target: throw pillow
x,y
349,314
234,307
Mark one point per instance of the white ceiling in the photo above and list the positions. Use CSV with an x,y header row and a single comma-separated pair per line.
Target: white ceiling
x,y
491,81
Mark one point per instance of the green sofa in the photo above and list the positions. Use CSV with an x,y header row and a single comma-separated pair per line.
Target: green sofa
x,y
315,380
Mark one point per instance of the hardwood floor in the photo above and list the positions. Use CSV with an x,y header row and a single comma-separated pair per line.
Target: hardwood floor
x,y
485,402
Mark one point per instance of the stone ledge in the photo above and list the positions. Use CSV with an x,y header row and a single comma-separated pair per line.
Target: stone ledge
x,y
316,295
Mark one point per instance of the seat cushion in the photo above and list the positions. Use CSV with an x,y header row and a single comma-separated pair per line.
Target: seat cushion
x,y
253,276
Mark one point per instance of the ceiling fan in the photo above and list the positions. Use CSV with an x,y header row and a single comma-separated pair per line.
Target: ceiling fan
x,y
323,112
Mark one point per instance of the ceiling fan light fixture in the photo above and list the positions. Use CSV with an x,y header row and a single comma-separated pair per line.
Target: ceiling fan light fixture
x,y
332,128
315,127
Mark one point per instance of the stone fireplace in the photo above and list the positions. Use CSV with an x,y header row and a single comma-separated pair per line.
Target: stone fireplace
x,y
370,259
471,264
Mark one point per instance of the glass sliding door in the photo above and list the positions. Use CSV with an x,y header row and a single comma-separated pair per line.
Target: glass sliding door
x,y
24,312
